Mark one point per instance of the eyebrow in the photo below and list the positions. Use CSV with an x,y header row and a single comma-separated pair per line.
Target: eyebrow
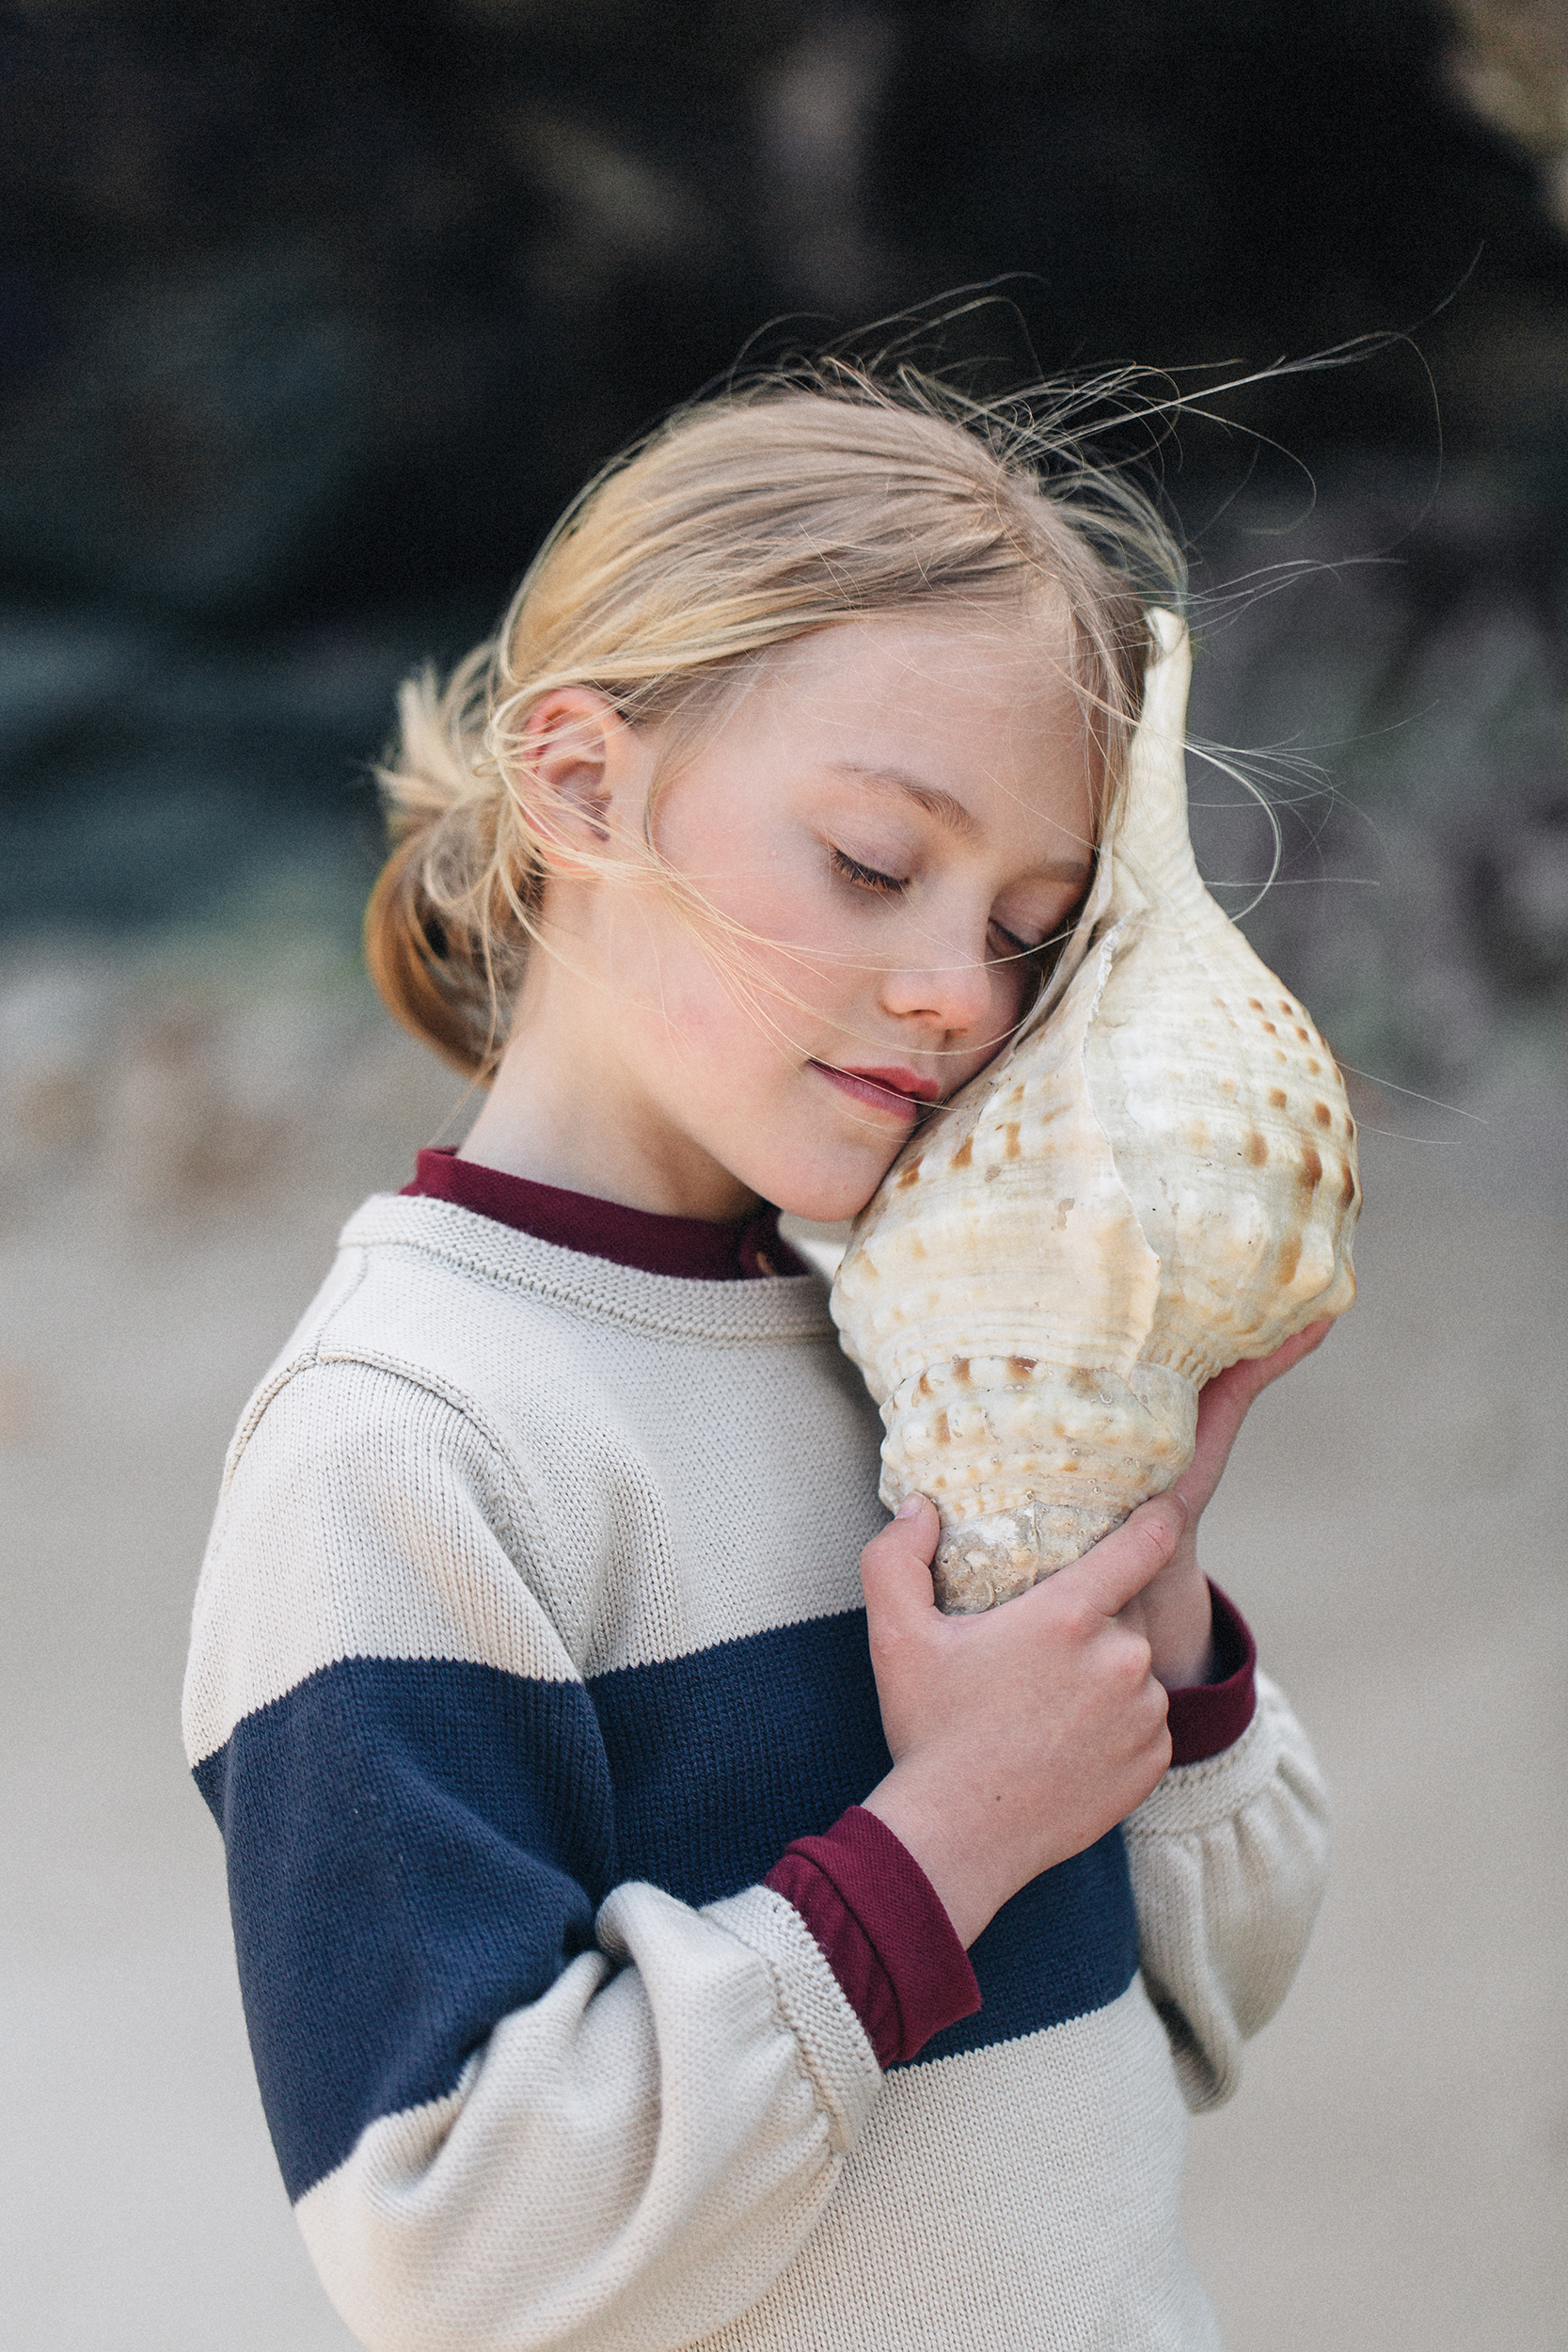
x,y
948,811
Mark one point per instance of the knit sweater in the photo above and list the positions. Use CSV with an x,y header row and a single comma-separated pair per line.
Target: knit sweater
x,y
527,1642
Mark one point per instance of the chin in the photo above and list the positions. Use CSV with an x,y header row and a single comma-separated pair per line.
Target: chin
x,y
829,1199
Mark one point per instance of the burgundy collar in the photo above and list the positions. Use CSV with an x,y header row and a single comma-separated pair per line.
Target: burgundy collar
x,y
689,1246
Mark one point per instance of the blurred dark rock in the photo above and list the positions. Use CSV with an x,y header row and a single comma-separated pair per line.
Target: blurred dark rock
x,y
322,305
1407,710
203,420
818,108
1509,67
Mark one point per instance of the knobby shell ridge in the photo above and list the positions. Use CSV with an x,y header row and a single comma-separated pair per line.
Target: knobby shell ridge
x,y
1158,1176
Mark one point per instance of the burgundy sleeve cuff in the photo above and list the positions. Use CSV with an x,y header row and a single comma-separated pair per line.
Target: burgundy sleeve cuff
x,y
1213,1715
882,1931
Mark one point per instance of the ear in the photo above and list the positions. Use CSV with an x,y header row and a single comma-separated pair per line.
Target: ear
x,y
573,756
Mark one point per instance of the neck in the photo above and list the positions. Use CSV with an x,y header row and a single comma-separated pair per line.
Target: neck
x,y
558,1113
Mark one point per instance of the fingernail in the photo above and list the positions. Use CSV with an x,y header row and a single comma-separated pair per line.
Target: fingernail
x,y
909,1505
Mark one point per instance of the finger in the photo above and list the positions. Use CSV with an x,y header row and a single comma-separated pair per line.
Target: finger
x,y
1226,1402
1292,1351
1115,1570
1221,1410
895,1565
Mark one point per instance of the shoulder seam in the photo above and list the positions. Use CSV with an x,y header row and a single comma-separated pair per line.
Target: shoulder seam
x,y
280,1378
525,1528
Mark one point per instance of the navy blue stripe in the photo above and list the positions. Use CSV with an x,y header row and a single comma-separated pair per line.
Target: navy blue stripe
x,y
415,1848
418,1847
721,1757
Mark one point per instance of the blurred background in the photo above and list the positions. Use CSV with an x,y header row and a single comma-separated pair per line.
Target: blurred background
x,y
312,318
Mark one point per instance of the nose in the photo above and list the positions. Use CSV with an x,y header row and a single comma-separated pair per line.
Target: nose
x,y
955,990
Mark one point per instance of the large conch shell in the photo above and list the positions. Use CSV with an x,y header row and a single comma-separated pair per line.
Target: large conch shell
x,y
1156,1178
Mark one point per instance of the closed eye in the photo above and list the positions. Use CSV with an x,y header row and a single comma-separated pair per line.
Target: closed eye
x,y
1033,949
867,877
1016,946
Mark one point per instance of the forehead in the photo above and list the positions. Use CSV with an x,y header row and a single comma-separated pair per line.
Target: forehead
x,y
1006,662
974,708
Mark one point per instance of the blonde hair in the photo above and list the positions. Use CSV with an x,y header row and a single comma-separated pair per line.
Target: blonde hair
x,y
744,521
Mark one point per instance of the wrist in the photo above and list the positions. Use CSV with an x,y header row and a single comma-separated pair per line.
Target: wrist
x,y
955,1867
1178,1621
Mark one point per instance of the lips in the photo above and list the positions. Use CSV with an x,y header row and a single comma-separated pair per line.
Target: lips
x,y
900,1093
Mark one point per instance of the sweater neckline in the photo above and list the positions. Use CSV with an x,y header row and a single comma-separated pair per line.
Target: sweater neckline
x,y
463,1242
691,1248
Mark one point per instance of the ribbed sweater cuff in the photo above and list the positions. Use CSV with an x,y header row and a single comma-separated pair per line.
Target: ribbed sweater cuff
x,y
878,1921
1213,1715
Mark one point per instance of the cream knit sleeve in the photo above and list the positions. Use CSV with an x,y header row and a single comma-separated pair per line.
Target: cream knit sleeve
x,y
1227,1860
517,2101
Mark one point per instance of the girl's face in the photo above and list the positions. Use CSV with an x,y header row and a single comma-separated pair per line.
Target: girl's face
x,y
885,828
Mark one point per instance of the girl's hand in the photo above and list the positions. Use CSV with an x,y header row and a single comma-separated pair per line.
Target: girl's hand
x,y
1174,1609
1021,1736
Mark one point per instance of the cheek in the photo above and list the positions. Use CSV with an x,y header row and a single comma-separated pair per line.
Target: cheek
x,y
788,945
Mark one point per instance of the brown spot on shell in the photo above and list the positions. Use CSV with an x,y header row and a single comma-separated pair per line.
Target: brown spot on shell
x,y
1286,1005
1221,1003
922,1386
1062,1209
1257,1149
1011,1149
911,1176
1312,1168
1305,1035
965,1152
1278,1097
1022,1366
1322,1113
1289,1257
1347,1190
960,1363
1316,1067
1269,1029
943,1434
1197,1135
1257,1003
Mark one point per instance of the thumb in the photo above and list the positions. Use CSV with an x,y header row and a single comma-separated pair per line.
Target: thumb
x,y
895,1565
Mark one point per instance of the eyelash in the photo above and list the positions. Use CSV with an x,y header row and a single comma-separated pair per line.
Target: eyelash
x,y
867,877
891,886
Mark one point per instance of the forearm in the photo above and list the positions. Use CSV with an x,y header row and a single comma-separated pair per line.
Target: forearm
x,y
599,2174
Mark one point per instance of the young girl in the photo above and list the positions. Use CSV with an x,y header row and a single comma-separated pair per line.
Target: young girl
x,y
645,1941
